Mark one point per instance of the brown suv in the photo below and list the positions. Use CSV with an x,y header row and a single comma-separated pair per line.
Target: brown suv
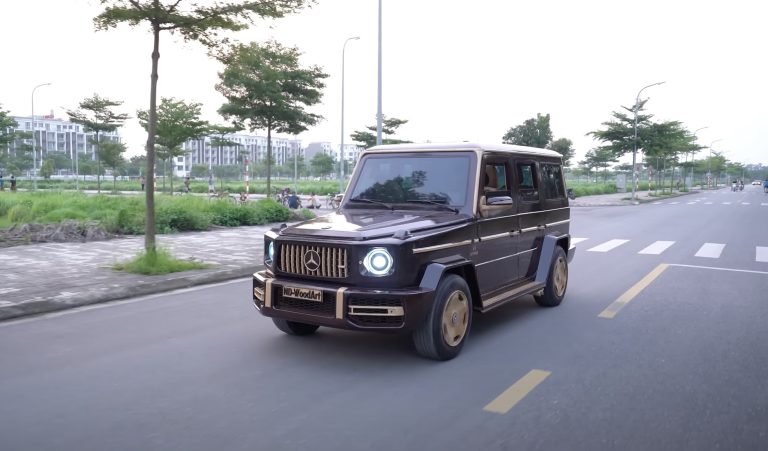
x,y
426,234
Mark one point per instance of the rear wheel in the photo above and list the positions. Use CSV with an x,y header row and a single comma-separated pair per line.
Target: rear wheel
x,y
294,328
557,281
443,334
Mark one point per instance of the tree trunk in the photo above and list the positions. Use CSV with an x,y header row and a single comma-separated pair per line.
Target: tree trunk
x,y
149,234
269,158
98,164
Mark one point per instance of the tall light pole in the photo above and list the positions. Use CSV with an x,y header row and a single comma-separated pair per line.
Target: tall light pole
x,y
378,108
341,146
693,155
634,150
709,162
34,142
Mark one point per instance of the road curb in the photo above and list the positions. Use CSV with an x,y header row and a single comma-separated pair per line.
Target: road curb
x,y
161,284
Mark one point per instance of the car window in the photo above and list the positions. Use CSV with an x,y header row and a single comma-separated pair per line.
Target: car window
x,y
552,181
402,178
527,185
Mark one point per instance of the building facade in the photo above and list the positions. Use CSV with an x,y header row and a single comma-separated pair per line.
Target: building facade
x,y
56,135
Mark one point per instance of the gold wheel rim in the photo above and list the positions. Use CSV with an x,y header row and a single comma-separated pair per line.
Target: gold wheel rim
x,y
455,318
561,276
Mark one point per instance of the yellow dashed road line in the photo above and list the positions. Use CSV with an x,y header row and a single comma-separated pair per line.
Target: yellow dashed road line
x,y
630,294
511,396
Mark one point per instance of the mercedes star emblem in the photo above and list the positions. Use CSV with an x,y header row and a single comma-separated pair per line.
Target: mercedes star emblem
x,y
311,260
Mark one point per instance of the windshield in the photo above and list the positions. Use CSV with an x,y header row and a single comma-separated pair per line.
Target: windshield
x,y
400,179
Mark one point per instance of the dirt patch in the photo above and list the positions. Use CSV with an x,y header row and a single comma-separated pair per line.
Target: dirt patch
x,y
64,232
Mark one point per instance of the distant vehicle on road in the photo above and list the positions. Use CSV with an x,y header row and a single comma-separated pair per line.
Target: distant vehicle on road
x,y
757,182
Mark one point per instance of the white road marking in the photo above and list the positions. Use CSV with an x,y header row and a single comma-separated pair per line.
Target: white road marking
x,y
657,203
707,203
674,203
710,250
657,247
764,204
691,203
578,240
761,254
745,203
749,271
607,246
726,203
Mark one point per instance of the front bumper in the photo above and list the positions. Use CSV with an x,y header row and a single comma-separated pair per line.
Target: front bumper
x,y
340,306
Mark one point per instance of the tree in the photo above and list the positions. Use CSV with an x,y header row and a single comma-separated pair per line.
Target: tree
x,y
197,22
389,126
96,115
619,133
600,158
322,164
266,89
7,126
564,147
112,157
534,132
177,123
46,169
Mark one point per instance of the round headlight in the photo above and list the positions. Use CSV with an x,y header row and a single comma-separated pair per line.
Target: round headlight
x,y
378,262
271,251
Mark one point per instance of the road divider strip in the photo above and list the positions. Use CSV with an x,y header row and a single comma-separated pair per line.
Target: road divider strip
x,y
519,390
630,294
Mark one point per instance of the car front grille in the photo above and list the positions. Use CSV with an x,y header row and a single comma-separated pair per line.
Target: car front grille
x,y
314,261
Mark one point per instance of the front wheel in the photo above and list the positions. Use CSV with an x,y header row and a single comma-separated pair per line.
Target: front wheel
x,y
443,334
294,328
557,281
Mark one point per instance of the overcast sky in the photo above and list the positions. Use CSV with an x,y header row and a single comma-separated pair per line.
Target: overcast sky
x,y
456,70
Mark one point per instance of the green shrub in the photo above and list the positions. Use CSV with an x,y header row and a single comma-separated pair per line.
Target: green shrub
x,y
271,211
174,218
62,214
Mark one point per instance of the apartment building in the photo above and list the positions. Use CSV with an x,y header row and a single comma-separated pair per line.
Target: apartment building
x,y
57,135
204,151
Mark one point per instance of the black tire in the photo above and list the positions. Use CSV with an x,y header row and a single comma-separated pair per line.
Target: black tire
x,y
445,330
294,328
557,281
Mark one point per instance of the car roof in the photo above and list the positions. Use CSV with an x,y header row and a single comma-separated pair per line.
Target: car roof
x,y
464,146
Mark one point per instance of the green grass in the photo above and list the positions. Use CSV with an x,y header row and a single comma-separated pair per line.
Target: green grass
x,y
161,262
125,214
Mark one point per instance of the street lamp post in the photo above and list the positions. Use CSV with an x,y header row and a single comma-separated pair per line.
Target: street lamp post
x,y
378,103
693,155
341,146
634,149
34,142
709,163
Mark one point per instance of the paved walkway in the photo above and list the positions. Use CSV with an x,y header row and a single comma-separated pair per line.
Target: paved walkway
x,y
41,278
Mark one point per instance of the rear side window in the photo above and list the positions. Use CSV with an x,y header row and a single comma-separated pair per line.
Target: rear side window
x,y
552,181
527,185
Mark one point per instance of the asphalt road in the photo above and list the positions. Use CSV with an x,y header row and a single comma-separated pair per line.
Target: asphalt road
x,y
660,344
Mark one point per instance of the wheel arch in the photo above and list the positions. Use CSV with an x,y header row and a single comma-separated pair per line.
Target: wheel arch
x,y
548,246
463,268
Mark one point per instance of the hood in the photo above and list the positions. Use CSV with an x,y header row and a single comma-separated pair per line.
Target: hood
x,y
369,224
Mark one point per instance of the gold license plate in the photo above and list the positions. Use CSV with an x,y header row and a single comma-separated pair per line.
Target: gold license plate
x,y
306,294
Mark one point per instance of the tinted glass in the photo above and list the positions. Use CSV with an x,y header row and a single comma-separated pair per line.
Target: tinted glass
x,y
398,179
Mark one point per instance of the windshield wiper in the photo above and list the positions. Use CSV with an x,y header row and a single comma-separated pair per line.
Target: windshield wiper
x,y
432,202
375,202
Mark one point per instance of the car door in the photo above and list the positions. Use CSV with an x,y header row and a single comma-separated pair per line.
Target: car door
x,y
530,215
497,226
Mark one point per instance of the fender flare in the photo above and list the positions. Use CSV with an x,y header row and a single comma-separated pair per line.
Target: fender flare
x,y
548,247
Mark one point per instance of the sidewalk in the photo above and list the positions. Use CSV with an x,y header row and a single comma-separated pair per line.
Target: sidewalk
x,y
40,278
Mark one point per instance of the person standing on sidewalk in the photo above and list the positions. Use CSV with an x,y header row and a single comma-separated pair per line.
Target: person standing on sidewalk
x,y
142,181
2,182
13,182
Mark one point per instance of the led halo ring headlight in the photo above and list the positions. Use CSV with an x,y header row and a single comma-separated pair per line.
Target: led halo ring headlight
x,y
378,262
271,251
